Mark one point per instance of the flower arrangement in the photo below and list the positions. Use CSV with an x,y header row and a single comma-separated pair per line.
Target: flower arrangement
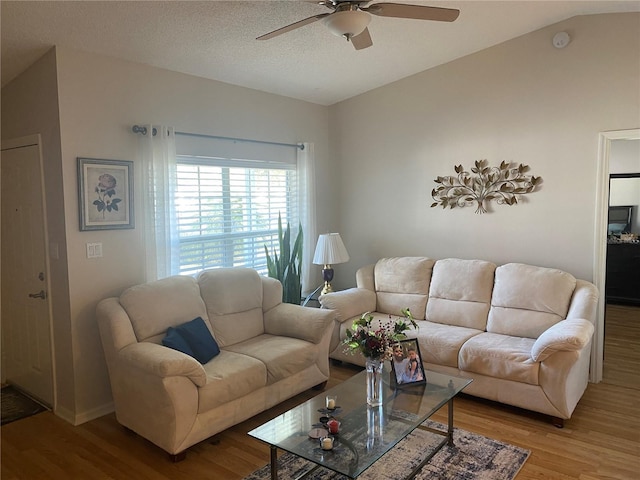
x,y
376,343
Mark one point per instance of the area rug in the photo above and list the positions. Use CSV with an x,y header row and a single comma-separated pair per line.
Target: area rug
x,y
16,405
473,457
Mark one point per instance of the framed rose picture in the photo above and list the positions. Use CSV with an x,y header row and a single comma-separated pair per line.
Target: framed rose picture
x,y
406,364
105,189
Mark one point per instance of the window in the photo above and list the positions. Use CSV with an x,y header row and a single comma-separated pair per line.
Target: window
x,y
227,210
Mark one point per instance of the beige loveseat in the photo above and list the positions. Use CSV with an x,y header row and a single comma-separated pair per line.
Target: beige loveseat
x,y
522,333
269,351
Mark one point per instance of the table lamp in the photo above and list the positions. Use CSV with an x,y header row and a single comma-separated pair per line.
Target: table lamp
x,y
329,251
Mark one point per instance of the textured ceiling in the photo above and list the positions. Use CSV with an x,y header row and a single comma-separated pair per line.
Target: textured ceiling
x,y
216,39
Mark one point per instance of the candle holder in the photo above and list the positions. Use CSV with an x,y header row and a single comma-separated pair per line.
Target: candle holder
x,y
326,443
334,426
331,402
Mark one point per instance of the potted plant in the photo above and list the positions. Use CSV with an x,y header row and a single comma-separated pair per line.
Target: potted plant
x,y
287,266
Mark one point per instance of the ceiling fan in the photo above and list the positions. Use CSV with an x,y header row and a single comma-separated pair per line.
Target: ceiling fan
x,y
350,18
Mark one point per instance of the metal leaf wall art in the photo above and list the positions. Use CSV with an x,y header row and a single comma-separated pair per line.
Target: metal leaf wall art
x,y
504,184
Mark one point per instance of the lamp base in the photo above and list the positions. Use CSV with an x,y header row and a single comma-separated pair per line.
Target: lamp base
x,y
327,288
327,276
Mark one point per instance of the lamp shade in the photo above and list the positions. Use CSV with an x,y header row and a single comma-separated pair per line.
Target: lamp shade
x,y
347,23
330,250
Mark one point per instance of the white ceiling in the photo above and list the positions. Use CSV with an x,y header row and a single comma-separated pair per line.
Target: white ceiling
x,y
216,39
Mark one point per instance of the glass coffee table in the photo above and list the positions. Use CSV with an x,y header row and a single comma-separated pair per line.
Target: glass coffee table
x,y
366,433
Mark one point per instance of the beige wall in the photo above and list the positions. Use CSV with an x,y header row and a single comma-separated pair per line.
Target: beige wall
x,y
521,101
30,105
377,155
99,100
624,156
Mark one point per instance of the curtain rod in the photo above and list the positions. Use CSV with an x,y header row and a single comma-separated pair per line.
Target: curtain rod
x,y
143,131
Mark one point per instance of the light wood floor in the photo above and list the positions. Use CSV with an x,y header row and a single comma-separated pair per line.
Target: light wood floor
x,y
622,346
600,441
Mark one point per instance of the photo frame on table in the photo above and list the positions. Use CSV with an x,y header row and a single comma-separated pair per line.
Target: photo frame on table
x,y
406,364
105,194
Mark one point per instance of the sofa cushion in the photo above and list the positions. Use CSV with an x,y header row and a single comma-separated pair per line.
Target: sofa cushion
x,y
177,342
283,356
460,292
500,356
440,344
527,300
154,307
403,282
196,336
230,376
233,299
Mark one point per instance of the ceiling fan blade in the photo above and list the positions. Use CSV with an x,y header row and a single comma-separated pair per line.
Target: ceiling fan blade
x,y
362,40
293,26
418,12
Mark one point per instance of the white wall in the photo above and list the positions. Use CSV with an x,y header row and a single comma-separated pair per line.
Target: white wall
x,y
624,191
99,100
521,101
624,156
30,105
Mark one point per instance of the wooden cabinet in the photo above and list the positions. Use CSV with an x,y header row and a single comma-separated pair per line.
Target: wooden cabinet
x,y
623,273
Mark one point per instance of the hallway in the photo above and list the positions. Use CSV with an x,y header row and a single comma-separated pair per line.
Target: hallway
x,y
622,346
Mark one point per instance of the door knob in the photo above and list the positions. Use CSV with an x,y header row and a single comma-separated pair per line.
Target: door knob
x,y
41,294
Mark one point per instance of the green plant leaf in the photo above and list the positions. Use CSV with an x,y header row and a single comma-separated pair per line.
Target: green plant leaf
x,y
286,267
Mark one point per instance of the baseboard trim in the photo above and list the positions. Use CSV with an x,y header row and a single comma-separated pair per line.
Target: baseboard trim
x,y
83,417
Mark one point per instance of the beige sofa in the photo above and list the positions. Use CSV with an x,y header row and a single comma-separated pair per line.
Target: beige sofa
x,y
269,351
522,333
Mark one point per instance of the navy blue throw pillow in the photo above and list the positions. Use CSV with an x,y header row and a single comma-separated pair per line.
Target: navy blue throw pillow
x,y
174,340
199,339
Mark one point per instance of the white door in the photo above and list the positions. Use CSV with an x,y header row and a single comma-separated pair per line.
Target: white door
x,y
26,319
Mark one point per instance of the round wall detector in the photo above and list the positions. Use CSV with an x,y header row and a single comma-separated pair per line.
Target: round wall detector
x,y
561,39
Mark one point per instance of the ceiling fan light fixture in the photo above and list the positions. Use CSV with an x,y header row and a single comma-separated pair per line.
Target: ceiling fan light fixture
x,y
348,23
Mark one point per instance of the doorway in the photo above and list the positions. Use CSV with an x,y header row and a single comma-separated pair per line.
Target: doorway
x,y
622,295
26,307
600,242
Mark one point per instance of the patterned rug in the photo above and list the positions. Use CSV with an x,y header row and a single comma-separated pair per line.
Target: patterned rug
x,y
16,405
473,457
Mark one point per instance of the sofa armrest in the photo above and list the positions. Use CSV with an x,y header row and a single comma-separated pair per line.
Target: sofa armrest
x,y
584,301
114,324
305,323
568,335
161,361
349,303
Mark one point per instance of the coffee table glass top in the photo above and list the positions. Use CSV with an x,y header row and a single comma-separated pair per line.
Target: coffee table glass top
x,y
366,433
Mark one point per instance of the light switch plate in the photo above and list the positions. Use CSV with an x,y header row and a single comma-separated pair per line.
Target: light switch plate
x,y
94,250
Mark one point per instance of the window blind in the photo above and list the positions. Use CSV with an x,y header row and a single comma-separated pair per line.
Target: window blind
x,y
227,209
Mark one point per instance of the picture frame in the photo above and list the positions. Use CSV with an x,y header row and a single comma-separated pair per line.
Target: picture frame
x,y
105,194
406,367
